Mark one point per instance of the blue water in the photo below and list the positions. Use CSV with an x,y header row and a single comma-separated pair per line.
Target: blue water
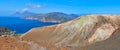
x,y
21,25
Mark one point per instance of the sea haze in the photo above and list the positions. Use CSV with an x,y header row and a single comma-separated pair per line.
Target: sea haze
x,y
21,25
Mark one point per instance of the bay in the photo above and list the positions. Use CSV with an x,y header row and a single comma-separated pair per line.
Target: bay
x,y
20,25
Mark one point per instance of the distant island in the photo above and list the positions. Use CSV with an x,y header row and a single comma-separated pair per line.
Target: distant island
x,y
57,17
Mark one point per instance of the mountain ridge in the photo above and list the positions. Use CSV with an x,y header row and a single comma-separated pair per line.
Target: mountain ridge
x,y
53,17
57,17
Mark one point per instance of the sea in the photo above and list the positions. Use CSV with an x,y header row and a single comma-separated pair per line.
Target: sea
x,y
20,25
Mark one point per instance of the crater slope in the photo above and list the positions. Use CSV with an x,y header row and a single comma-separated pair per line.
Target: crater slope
x,y
80,33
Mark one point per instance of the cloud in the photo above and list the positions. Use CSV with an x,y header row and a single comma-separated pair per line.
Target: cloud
x,y
25,9
33,5
29,7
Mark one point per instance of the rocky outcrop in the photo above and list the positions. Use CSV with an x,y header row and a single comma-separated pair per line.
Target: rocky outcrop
x,y
6,31
81,33
111,43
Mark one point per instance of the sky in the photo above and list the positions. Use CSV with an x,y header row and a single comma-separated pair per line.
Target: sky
x,y
8,7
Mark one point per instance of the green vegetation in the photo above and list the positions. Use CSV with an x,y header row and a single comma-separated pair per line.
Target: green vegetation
x,y
82,20
16,35
7,32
